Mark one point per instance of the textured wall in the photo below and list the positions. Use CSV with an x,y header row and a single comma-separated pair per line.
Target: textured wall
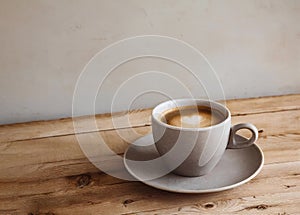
x,y
253,46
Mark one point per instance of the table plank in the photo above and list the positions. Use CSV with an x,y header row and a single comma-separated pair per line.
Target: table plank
x,y
278,203
43,170
137,118
133,197
263,104
56,156
290,152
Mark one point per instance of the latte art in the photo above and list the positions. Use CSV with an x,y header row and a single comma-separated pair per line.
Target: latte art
x,y
191,120
192,117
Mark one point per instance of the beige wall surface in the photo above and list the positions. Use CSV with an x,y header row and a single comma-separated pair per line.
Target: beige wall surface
x,y
254,47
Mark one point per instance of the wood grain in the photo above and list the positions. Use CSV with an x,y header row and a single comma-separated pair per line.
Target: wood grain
x,y
135,118
264,104
60,156
24,187
278,203
133,197
44,171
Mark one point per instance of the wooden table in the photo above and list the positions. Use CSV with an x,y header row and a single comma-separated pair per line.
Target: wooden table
x,y
43,170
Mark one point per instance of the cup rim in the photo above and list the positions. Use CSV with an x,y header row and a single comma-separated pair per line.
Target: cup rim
x,y
228,117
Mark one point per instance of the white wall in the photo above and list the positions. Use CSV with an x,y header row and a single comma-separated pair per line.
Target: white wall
x,y
44,45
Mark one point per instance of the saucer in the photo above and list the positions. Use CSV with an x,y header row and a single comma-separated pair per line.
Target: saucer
x,y
236,167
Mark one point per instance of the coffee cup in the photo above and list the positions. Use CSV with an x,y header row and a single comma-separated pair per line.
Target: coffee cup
x,y
191,135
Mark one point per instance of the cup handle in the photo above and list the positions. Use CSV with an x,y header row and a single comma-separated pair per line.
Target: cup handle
x,y
236,141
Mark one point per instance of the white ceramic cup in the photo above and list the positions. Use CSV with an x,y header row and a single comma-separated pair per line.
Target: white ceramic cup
x,y
196,151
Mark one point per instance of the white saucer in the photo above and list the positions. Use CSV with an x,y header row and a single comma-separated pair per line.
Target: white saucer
x,y
236,167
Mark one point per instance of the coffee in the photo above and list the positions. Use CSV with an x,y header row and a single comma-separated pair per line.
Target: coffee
x,y
203,132
192,117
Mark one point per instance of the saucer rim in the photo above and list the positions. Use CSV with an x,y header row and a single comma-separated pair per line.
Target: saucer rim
x,y
212,190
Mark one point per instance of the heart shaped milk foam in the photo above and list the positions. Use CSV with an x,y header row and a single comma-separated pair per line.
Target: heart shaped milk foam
x,y
192,120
